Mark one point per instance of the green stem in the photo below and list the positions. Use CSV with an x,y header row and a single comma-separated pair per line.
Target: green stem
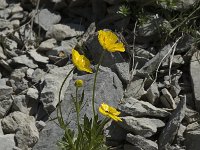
x,y
95,78
77,107
59,95
59,110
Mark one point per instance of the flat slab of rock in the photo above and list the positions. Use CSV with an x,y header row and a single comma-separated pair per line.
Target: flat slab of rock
x,y
109,89
7,142
46,19
23,125
171,129
51,83
138,108
153,63
24,60
192,139
195,77
145,127
38,57
141,142
61,31
135,89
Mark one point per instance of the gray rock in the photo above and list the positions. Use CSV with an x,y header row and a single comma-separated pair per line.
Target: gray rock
x,y
153,94
46,19
179,5
170,131
184,44
122,70
38,57
1,130
138,108
153,63
142,52
40,125
192,139
141,126
32,100
24,127
5,90
4,24
20,104
5,105
5,13
148,30
108,89
47,45
66,47
113,1
37,75
141,142
113,132
24,60
51,85
177,61
131,147
194,72
3,4
18,74
135,89
61,31
2,56
167,100
7,142
32,93
29,73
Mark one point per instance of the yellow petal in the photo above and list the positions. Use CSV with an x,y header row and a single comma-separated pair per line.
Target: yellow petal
x,y
81,62
118,47
114,111
108,40
103,112
116,118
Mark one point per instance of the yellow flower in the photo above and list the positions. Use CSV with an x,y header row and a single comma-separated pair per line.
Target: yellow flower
x,y
79,83
81,62
109,111
109,41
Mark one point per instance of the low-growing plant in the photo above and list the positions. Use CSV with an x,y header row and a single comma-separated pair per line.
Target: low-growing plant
x,y
89,133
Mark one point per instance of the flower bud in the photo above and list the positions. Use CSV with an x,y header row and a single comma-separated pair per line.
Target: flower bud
x,y
79,83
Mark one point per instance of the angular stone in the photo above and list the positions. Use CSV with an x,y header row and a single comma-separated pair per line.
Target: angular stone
x,y
24,60
138,108
3,4
122,70
153,94
47,45
7,142
20,104
38,57
109,89
46,19
61,31
192,139
145,127
167,100
24,127
113,132
51,85
135,89
195,77
153,63
141,142
5,105
170,131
